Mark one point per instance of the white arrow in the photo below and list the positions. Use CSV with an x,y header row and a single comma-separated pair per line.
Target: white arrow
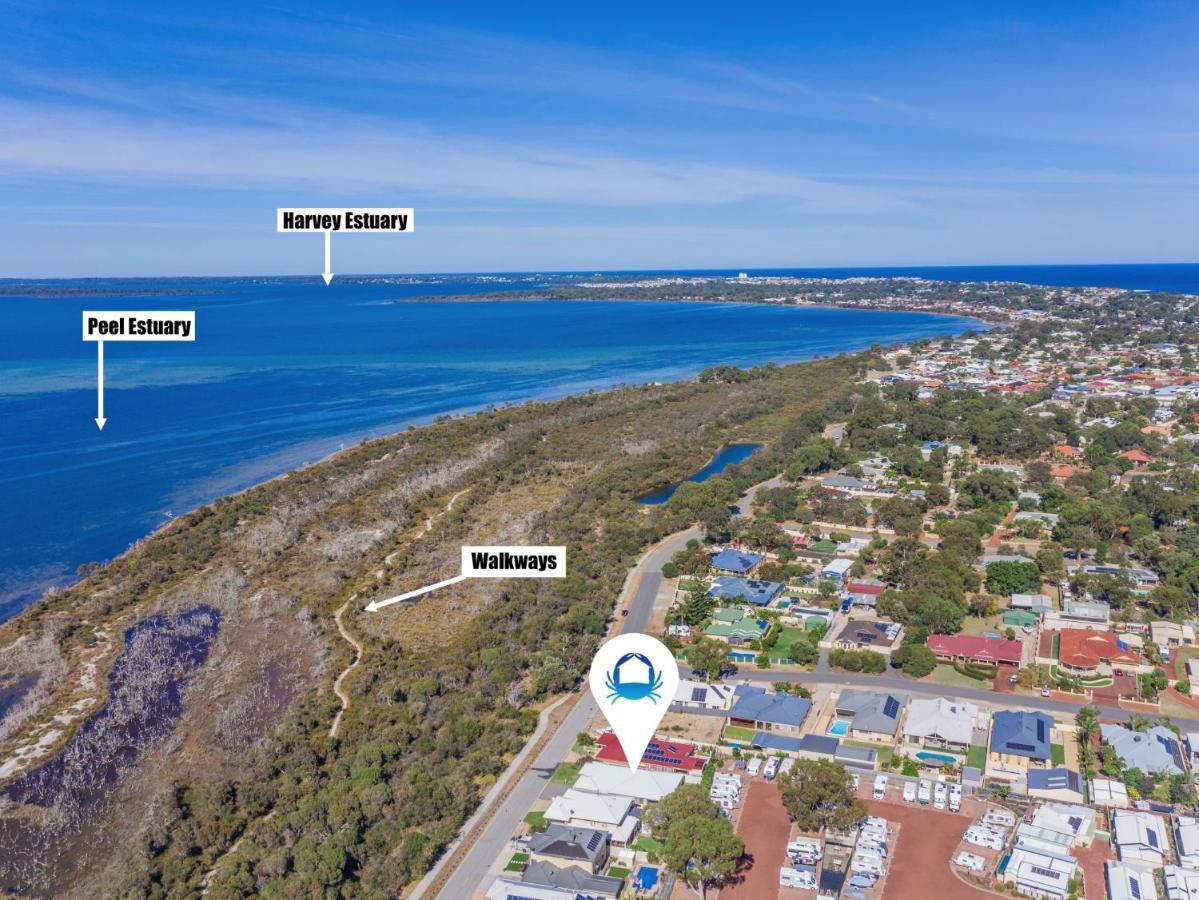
x,y
100,420
376,605
327,274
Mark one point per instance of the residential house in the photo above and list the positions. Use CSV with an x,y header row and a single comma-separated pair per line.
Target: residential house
x,y
572,878
1085,652
747,590
1171,634
669,756
1139,838
1129,883
777,713
1074,821
1034,602
872,716
1055,784
1154,750
736,626
1018,737
735,562
836,570
861,634
1181,884
1186,840
698,695
976,648
1040,874
645,785
587,848
1109,793
613,813
940,722
507,887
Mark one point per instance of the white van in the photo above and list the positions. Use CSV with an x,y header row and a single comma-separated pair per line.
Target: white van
x,y
983,837
868,867
772,768
926,792
998,817
797,878
754,767
955,797
880,787
806,846
971,861
909,792
940,793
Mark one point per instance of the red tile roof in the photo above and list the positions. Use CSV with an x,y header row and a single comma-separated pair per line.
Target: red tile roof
x,y
862,587
1137,456
976,648
670,755
1086,649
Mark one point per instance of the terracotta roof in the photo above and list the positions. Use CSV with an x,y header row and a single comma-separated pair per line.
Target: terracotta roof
x,y
1137,456
976,647
658,754
1067,450
1086,649
1062,471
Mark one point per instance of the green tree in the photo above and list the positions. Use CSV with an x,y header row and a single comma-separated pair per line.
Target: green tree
x,y
709,657
819,794
700,845
803,652
940,616
914,660
1013,577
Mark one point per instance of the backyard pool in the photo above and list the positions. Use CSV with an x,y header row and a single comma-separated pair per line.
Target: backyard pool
x,y
943,759
840,728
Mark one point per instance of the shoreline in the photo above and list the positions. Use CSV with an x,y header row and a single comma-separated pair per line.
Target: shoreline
x,y
395,429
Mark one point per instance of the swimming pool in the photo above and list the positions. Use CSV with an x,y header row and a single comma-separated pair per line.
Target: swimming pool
x,y
943,758
840,728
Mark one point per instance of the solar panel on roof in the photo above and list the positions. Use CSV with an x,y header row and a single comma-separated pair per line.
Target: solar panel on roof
x,y
1046,873
595,840
891,708
699,694
1075,822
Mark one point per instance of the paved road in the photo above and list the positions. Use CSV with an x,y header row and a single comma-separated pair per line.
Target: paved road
x,y
644,584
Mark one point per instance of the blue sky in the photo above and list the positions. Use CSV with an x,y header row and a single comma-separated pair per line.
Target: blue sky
x,y
143,140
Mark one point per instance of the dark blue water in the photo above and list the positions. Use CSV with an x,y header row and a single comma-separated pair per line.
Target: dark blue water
x,y
729,456
284,371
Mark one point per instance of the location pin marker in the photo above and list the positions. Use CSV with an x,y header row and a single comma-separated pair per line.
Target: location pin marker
x,y
634,679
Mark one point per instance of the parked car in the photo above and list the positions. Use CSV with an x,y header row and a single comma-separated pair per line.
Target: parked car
x,y
940,794
755,766
772,768
909,792
1044,692
955,797
880,787
925,793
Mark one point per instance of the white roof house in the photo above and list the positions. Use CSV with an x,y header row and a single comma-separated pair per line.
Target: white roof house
x,y
1076,822
584,807
644,784
1128,883
1139,837
1109,793
936,718
698,695
1186,840
1181,884
1040,874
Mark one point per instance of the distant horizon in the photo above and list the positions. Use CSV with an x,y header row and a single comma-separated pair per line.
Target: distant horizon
x,y
665,270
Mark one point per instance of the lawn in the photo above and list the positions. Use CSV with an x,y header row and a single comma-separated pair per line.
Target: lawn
x,y
1057,753
536,821
737,733
976,626
1179,656
947,675
517,862
977,757
618,872
648,845
567,773
787,637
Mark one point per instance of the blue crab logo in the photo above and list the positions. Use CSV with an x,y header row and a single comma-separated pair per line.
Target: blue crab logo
x,y
636,690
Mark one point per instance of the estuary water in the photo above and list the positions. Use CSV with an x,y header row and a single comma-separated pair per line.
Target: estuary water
x,y
285,371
